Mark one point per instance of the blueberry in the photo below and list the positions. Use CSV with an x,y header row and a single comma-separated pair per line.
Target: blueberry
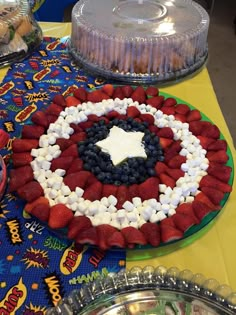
x,y
87,166
117,183
101,176
151,172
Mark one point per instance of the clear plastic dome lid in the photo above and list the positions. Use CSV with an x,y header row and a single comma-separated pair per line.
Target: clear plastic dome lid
x,y
143,18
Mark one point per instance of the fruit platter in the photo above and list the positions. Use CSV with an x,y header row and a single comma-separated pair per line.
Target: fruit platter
x,y
121,167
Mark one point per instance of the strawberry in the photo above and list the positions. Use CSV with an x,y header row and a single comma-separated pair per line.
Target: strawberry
x,y
210,181
154,129
133,236
85,124
152,91
169,233
133,191
64,143
212,131
218,145
168,221
222,172
93,192
118,93
108,89
182,109
78,179
147,118
61,163
116,240
97,96
151,233
204,199
108,190
219,157
24,145
71,151
155,101
175,173
93,117
77,225
20,176
112,114
88,236
213,194
51,119
127,90
121,195
104,232
181,118
105,119
39,201
166,132
30,191
160,168
133,112
75,166
175,147
200,209
78,137
4,137
21,159
164,142
167,180
196,127
41,211
139,95
183,222
81,94
177,161
53,109
205,141
76,128
149,188
170,101
40,118
168,110
187,209
193,115
72,101
59,100
60,216
32,132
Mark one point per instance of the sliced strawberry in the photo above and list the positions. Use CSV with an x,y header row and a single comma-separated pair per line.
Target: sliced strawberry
x,y
147,118
86,124
4,137
77,225
116,240
133,236
168,110
40,118
93,117
151,233
133,112
177,161
30,191
160,168
205,141
93,192
79,136
133,191
127,90
72,101
75,166
149,189
108,89
61,163
21,159
51,119
24,145
181,118
210,181
88,236
182,109
97,96
152,91
187,209
39,201
183,222
112,114
219,157
175,146
81,94
193,115
121,195
200,209
20,176
175,173
169,233
164,142
118,93
212,131
156,101
213,194
109,190
167,180
222,172
170,101
197,126
76,128
166,132
154,129
168,221
218,145
60,216
64,143
204,199
41,211
59,99
105,119
32,132
54,109
104,232
71,151
139,95
79,179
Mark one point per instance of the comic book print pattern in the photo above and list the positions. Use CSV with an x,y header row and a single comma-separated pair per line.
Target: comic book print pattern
x,y
38,267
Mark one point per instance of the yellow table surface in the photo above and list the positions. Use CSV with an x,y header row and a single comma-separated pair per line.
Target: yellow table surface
x,y
213,254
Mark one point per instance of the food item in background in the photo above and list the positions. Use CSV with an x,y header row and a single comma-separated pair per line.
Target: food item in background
x,y
152,199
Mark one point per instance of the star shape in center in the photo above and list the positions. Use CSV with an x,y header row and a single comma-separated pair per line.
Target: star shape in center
x,y
121,145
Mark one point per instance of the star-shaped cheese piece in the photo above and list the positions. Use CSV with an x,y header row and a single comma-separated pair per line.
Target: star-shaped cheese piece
x,y
121,145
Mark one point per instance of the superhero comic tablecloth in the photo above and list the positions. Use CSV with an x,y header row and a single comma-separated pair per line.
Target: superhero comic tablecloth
x,y
36,267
